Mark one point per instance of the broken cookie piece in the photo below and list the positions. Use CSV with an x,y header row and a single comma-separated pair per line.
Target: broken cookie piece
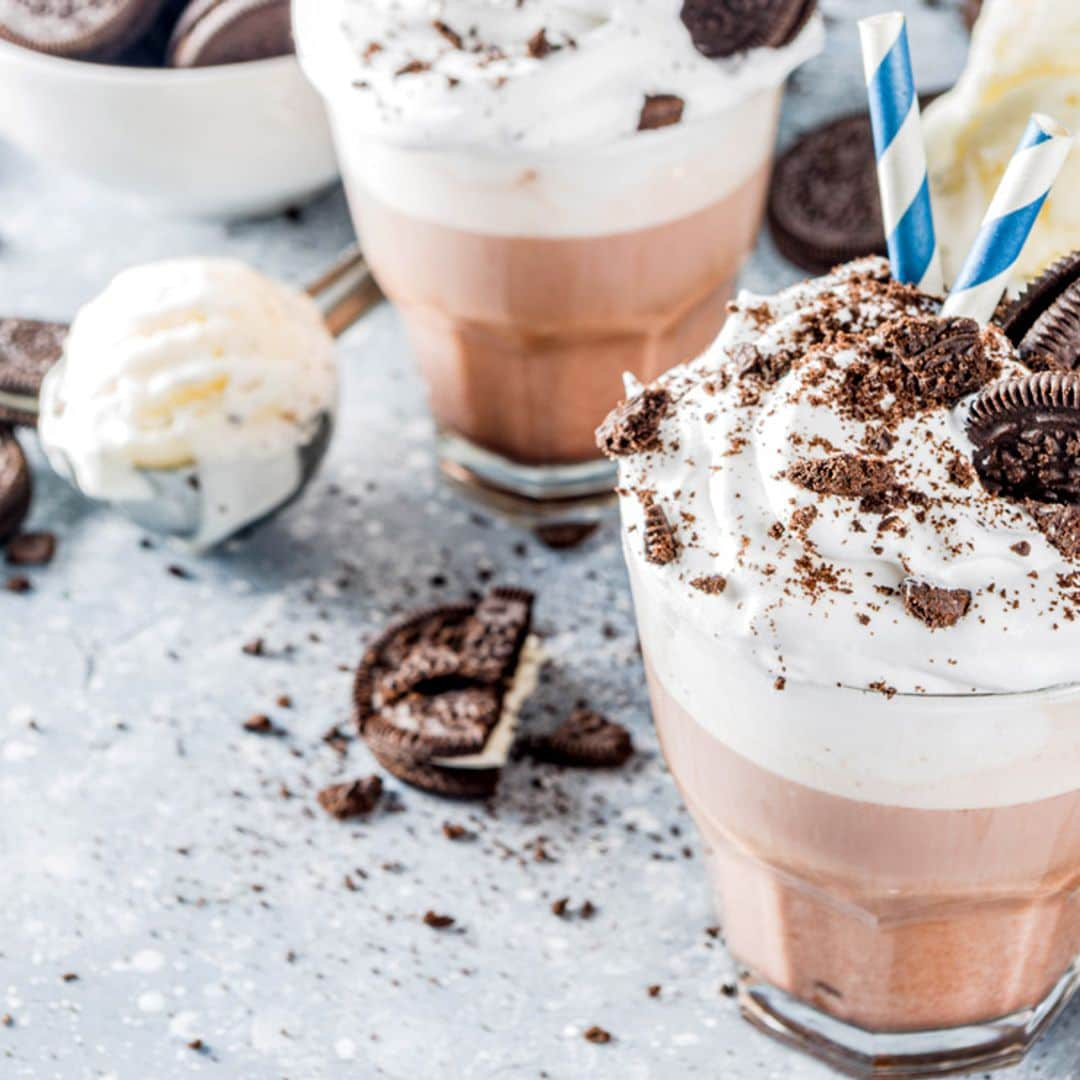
x,y
634,426
848,475
354,798
586,738
935,606
661,543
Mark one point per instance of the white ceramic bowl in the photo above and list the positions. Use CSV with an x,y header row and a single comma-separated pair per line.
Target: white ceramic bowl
x,y
206,142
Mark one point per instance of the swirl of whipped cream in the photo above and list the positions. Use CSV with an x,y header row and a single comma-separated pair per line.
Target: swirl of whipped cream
x,y
813,582
521,73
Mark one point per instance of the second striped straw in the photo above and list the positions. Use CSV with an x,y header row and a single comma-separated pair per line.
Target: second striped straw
x,y
1028,178
898,147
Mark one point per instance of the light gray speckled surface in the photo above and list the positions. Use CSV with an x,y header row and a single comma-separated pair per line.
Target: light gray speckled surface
x,y
147,844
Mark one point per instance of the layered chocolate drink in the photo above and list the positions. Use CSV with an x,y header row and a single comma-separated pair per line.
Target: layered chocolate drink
x,y
854,545
552,194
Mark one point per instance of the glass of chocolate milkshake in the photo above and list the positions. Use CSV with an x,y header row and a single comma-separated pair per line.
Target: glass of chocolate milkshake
x,y
552,194
853,535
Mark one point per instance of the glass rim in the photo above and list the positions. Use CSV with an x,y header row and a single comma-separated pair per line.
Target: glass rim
x,y
700,129
1055,690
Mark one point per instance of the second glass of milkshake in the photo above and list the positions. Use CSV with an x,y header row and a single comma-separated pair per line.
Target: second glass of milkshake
x,y
853,539
551,194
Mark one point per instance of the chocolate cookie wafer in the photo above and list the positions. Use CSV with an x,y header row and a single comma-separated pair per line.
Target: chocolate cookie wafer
x,y
1026,433
28,348
1054,339
15,486
824,206
586,738
436,695
1044,321
78,29
211,32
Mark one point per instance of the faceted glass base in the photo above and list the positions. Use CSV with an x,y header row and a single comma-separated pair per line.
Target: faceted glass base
x,y
896,1055
530,494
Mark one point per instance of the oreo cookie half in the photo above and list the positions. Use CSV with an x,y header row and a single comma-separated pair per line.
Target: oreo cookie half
x,y
437,694
15,486
211,32
1038,299
1027,437
28,349
77,29
1054,339
720,28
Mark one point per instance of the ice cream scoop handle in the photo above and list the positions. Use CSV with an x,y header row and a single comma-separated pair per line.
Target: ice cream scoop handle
x,y
345,291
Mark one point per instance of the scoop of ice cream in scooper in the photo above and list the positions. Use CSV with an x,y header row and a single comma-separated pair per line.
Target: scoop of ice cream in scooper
x,y
196,395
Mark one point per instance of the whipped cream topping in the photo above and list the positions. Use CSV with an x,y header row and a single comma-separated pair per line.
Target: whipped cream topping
x,y
1022,60
520,73
809,584
197,364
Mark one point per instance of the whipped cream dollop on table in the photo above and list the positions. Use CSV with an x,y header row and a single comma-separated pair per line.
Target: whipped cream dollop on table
x,y
805,492
525,73
200,365
1023,59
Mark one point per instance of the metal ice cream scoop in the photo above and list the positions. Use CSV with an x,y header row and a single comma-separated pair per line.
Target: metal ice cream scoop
x,y
196,504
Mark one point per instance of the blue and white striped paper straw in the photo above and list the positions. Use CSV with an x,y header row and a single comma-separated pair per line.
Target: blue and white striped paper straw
x,y
898,147
1028,178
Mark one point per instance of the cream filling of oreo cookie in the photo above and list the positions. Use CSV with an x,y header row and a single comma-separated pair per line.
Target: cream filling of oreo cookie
x,y
524,682
27,403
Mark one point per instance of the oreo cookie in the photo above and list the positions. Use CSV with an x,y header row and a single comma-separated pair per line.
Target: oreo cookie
x,y
720,28
824,206
1026,433
77,29
1054,339
211,32
28,349
1043,321
430,692
15,486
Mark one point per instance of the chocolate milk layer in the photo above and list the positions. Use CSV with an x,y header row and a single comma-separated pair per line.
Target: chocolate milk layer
x,y
888,917
523,341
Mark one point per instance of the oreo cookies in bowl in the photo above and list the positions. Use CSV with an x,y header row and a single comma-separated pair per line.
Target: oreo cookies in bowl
x,y
80,29
198,33
197,107
196,396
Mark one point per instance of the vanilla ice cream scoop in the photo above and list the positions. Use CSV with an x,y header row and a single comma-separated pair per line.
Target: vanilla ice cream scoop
x,y
1023,59
196,395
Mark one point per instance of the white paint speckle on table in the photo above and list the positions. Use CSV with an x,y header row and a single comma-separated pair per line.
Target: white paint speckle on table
x,y
173,902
